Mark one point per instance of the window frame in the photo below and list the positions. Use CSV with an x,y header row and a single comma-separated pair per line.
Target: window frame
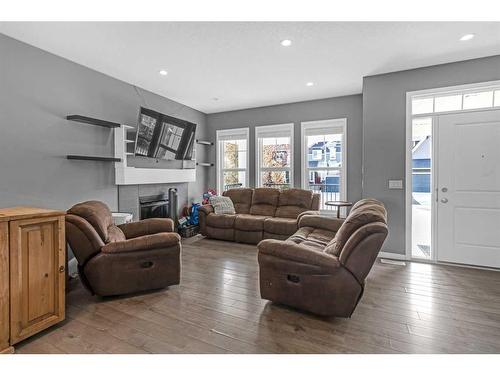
x,y
462,90
237,133
340,124
260,132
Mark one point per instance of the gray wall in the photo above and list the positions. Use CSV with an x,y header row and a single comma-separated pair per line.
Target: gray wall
x,y
346,106
384,118
37,91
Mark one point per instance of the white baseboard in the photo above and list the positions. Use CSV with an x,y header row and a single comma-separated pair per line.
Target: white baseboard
x,y
384,254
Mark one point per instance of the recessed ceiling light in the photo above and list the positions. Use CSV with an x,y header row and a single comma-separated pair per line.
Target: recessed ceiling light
x,y
310,84
163,72
467,37
286,42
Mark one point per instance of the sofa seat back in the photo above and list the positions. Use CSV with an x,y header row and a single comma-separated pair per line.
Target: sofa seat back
x,y
271,212
264,201
242,199
293,202
360,237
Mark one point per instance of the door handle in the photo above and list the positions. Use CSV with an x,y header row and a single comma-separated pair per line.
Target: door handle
x,y
444,200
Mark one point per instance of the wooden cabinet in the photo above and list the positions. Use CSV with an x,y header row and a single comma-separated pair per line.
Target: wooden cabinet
x,y
32,272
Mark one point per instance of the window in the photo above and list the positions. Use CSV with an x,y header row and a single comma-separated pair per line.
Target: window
x,y
274,150
323,161
421,192
232,159
478,100
461,100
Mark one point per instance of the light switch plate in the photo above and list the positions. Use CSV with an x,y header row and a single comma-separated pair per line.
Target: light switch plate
x,y
395,184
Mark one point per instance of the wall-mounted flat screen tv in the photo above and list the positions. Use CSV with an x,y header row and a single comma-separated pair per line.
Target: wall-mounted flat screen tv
x,y
164,137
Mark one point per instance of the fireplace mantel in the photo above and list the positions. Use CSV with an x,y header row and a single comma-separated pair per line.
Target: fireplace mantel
x,y
127,175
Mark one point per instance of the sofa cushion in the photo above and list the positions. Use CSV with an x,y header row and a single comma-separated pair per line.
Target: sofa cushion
x,y
364,212
220,221
317,235
249,222
280,225
242,199
292,202
264,201
222,205
97,214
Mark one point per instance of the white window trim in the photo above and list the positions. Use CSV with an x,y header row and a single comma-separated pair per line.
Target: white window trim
x,y
338,123
288,128
454,90
218,150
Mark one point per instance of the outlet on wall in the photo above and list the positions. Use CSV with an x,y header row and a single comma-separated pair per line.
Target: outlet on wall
x,y
395,184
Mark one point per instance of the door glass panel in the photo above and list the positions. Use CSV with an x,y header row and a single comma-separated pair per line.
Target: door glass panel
x,y
421,187
448,103
478,100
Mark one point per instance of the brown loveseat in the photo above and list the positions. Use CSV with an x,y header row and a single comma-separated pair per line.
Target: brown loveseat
x,y
128,258
260,213
322,268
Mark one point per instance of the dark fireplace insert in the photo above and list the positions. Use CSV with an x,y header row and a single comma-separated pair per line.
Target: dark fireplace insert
x,y
153,206
161,205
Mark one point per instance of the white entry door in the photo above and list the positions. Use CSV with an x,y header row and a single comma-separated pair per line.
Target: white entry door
x,y
468,196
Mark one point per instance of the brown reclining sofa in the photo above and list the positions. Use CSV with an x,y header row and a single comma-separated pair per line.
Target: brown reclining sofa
x,y
323,266
260,213
127,258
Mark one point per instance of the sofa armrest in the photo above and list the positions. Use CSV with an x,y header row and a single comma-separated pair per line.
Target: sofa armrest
x,y
149,242
310,212
203,212
206,209
321,222
146,227
288,250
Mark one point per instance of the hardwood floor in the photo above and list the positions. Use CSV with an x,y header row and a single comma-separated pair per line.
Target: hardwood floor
x,y
417,308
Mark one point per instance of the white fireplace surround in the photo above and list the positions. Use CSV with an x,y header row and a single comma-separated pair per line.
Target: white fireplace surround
x,y
126,175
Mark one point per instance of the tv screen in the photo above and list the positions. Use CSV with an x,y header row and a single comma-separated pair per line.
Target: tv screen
x,y
164,137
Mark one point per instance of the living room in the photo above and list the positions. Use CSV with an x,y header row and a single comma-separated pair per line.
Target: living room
x,y
244,188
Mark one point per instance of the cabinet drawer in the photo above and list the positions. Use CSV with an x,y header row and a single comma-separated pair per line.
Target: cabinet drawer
x,y
37,275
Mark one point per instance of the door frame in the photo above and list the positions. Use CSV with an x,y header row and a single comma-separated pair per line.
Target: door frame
x,y
434,178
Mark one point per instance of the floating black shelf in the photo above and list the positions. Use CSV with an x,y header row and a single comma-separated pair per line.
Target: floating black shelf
x,y
93,121
206,143
205,164
93,158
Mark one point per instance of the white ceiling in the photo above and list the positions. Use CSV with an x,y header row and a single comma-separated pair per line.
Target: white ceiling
x,y
243,64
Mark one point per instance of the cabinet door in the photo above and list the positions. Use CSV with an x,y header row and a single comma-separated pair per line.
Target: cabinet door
x,y
37,262
4,286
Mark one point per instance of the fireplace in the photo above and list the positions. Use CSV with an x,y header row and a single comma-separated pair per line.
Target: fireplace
x,y
152,200
153,206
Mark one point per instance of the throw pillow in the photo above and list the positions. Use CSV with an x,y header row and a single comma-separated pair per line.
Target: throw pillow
x,y
222,205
